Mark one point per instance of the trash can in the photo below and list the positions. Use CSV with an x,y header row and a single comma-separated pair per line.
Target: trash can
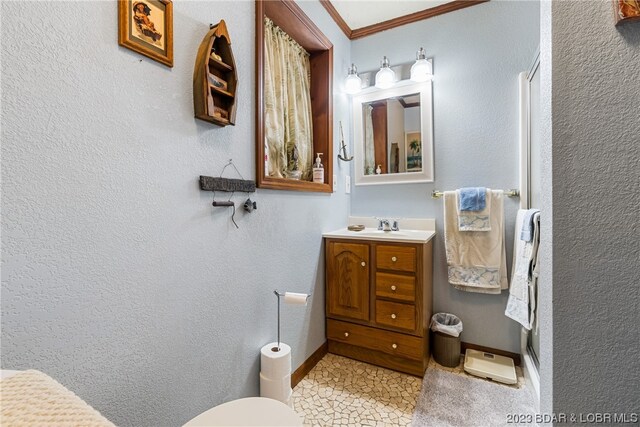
x,y
446,330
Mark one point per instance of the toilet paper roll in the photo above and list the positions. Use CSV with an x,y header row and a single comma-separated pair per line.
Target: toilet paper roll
x,y
295,299
278,389
275,364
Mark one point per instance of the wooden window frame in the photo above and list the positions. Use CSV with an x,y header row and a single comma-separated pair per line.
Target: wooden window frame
x,y
287,15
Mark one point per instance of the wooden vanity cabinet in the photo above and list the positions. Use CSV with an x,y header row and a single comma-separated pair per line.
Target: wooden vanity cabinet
x,y
379,302
346,273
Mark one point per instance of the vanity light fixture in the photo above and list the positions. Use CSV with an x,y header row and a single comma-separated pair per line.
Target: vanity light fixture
x,y
385,78
421,71
353,83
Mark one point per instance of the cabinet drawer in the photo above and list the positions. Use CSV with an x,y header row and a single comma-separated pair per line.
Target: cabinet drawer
x,y
400,258
375,339
402,288
394,314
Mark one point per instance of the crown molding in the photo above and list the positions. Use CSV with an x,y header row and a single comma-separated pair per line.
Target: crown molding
x,y
335,15
357,33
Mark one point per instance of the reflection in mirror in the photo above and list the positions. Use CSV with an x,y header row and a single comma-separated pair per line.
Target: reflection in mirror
x,y
393,134
392,138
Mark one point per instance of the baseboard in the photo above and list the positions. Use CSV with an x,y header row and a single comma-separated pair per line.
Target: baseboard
x,y
517,360
308,364
317,355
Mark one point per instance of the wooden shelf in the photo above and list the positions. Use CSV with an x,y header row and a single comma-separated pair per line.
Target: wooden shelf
x,y
219,65
220,91
207,97
295,185
215,120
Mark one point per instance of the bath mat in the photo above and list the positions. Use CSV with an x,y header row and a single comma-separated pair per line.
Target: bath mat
x,y
449,399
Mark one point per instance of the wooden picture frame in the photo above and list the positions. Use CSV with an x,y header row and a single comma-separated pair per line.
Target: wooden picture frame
x,y
146,27
626,10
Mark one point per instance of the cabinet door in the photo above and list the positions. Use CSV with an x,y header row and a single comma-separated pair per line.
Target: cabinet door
x,y
348,280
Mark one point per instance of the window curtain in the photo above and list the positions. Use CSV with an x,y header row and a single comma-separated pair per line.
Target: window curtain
x,y
369,154
287,101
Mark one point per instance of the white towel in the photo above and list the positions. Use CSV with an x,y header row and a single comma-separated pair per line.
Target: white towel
x,y
476,259
535,270
522,294
475,220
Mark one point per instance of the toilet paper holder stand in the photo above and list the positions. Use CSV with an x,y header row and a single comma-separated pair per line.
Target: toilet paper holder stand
x,y
278,295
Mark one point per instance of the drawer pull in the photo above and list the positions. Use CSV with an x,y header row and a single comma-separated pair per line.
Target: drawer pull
x,y
346,334
394,259
393,288
394,346
393,316
363,263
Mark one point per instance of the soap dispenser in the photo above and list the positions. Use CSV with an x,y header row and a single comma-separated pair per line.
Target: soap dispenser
x,y
318,170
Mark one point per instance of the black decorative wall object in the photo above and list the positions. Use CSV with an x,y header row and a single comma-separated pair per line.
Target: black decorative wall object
x,y
210,183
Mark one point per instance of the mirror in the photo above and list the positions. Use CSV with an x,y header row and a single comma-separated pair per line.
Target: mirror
x,y
393,135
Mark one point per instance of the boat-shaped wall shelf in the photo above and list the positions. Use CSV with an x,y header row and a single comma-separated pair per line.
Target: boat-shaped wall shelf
x,y
215,79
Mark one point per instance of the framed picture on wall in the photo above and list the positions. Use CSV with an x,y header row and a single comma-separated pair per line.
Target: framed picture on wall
x,y
626,10
146,27
413,151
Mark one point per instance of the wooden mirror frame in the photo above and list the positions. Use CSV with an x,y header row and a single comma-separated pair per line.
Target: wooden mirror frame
x,y
287,15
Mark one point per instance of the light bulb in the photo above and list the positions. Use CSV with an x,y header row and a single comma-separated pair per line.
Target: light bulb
x,y
421,71
352,83
385,78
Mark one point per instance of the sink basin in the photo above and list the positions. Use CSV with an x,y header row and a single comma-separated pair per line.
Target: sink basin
x,y
419,236
379,233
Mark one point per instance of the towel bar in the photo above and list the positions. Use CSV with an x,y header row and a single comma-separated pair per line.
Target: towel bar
x,y
509,193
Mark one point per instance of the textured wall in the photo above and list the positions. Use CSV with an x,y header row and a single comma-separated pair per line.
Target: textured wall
x,y
118,277
477,55
545,291
596,197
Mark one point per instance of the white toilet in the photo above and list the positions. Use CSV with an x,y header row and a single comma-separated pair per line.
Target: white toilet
x,y
250,411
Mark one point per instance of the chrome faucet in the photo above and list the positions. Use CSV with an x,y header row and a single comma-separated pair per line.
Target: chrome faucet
x,y
386,225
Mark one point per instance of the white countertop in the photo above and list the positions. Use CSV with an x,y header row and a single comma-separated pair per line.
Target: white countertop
x,y
416,231
410,236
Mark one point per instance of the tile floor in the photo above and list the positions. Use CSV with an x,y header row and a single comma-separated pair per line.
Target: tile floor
x,y
342,391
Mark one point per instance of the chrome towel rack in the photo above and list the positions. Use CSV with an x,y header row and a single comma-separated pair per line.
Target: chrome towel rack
x,y
435,194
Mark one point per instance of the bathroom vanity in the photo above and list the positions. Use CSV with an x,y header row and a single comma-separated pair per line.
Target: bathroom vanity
x,y
379,295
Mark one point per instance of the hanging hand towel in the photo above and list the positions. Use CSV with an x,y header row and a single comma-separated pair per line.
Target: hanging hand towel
x,y
526,232
473,220
476,259
535,273
521,303
472,198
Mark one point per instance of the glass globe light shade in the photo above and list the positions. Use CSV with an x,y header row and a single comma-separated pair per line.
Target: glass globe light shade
x,y
385,78
421,71
352,83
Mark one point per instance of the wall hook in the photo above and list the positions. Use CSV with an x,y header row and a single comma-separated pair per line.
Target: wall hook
x,y
250,205
229,185
343,148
